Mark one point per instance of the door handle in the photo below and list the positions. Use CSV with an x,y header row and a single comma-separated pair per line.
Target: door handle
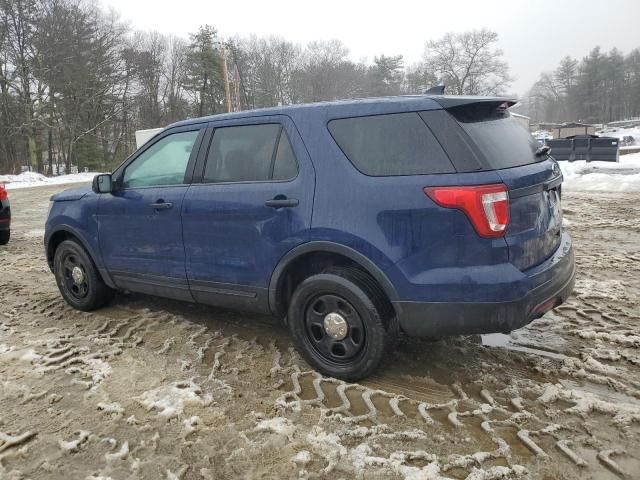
x,y
282,202
161,205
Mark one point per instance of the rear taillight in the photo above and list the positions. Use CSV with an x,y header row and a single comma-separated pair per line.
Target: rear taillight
x,y
3,192
487,206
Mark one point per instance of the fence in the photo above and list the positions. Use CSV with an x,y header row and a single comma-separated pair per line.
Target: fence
x,y
591,149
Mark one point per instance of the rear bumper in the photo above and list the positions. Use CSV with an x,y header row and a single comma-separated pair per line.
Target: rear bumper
x,y
546,286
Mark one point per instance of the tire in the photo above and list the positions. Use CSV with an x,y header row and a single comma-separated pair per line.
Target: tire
x,y
5,235
359,322
78,279
375,292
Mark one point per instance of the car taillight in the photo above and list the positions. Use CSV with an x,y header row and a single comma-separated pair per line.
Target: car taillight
x,y
3,192
486,206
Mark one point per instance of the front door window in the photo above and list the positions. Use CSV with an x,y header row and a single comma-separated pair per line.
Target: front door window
x,y
164,163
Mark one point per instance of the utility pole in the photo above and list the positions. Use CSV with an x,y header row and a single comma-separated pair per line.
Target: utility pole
x,y
225,74
236,87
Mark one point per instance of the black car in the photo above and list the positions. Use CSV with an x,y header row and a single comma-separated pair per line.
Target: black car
x,y
5,216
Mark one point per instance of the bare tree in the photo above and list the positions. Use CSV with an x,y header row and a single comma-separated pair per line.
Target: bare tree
x,y
76,83
174,78
468,63
150,64
327,74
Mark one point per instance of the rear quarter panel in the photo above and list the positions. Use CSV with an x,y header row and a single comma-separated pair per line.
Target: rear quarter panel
x,y
390,220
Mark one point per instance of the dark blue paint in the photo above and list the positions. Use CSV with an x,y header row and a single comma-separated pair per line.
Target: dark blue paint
x,y
220,236
231,237
137,238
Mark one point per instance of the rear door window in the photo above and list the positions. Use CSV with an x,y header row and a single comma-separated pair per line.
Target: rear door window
x,y
250,153
394,144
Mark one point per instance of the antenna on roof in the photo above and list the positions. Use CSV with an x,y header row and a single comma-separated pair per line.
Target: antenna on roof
x,y
435,90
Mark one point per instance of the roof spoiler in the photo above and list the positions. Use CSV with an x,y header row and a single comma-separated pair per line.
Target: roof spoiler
x,y
435,90
452,101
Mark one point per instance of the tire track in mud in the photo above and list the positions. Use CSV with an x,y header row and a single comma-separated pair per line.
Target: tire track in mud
x,y
519,429
360,405
501,427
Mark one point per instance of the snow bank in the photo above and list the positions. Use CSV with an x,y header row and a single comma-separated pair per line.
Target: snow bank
x,y
32,179
623,132
623,176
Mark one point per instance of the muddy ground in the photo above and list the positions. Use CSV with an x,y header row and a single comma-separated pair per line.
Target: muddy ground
x,y
149,388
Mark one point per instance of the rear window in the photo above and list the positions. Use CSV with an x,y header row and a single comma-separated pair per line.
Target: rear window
x,y
395,144
502,139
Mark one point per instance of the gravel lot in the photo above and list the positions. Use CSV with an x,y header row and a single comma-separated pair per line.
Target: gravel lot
x,y
150,388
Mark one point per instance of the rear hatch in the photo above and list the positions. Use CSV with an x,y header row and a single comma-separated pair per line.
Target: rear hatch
x,y
533,179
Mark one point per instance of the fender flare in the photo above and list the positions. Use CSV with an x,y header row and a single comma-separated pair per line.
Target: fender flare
x,y
330,247
76,234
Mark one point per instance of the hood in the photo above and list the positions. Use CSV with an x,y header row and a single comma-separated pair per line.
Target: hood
x,y
71,194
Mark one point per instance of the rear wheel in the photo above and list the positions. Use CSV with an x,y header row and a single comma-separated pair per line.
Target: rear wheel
x,y
378,297
337,326
5,235
78,279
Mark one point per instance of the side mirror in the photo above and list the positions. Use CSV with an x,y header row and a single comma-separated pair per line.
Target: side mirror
x,y
102,183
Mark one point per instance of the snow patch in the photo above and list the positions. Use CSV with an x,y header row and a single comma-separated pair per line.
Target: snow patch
x,y
498,472
21,355
623,176
170,400
119,455
328,446
302,458
191,425
98,369
585,402
74,445
32,179
279,425
111,407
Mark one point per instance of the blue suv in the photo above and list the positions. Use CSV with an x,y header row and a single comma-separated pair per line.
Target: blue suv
x,y
352,220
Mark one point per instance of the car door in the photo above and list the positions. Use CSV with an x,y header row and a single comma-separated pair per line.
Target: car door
x,y
140,226
251,203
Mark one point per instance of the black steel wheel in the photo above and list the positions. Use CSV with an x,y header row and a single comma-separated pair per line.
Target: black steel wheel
x,y
334,328
337,327
74,276
78,278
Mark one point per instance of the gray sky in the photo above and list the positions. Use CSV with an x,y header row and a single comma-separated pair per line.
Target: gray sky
x,y
533,35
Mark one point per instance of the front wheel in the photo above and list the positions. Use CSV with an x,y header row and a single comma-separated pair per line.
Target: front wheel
x,y
5,235
78,278
337,327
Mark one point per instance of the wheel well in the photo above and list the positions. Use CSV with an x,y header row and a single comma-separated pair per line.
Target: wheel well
x,y
56,239
313,263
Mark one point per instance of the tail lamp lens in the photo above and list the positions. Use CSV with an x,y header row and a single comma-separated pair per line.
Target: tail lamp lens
x,y
486,206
